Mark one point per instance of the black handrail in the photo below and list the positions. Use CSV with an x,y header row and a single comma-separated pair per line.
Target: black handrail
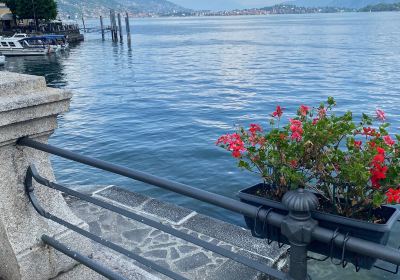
x,y
33,174
324,235
186,190
81,258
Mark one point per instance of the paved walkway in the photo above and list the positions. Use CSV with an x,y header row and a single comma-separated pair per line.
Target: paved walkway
x,y
181,257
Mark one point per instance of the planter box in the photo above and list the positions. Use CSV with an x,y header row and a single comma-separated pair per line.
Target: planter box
x,y
378,233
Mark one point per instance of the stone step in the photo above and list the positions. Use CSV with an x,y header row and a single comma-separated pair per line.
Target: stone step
x,y
18,84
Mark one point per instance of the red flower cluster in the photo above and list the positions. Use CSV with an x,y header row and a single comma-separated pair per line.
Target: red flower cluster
x,y
378,169
321,115
388,140
393,196
367,131
254,139
278,112
304,110
296,127
234,142
254,128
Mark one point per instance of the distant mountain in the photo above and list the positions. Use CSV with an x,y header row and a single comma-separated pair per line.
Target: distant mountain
x,y
97,7
351,4
382,7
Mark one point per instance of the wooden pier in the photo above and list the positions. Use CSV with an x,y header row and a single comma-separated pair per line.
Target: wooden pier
x,y
115,27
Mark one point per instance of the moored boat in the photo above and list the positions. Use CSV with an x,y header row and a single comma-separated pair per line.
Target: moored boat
x,y
16,46
55,43
20,35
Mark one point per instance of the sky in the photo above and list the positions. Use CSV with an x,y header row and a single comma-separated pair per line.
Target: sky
x,y
224,4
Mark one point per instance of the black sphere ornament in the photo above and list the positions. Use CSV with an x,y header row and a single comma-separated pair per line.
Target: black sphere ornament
x,y
300,200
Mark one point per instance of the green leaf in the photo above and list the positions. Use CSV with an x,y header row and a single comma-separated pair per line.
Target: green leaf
x,y
331,101
378,199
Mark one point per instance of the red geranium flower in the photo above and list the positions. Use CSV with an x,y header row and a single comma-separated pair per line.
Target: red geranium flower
x,y
304,110
234,143
380,150
369,131
254,128
380,115
296,128
393,196
388,140
378,169
357,144
278,112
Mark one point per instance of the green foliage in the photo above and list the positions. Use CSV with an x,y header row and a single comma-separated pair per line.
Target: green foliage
x,y
12,5
29,9
382,7
353,166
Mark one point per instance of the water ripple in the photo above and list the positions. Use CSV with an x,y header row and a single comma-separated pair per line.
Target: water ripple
x,y
160,105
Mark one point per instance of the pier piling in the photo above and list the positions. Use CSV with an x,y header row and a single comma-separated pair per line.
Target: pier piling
x,y
120,27
128,28
102,27
113,26
84,26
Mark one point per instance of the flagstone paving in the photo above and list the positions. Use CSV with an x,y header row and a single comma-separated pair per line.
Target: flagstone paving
x,y
186,259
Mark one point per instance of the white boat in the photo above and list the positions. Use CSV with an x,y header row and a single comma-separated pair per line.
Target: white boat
x,y
2,59
16,46
20,35
54,43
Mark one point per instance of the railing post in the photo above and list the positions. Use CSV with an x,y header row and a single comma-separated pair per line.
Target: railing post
x,y
298,227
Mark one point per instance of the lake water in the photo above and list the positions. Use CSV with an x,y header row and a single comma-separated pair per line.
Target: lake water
x,y
160,105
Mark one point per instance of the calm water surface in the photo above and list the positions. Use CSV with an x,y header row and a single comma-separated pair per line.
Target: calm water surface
x,y
160,105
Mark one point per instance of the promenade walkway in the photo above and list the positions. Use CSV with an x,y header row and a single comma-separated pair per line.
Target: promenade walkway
x,y
184,258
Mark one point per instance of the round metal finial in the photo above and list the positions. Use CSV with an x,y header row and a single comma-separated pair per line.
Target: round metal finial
x,y
300,200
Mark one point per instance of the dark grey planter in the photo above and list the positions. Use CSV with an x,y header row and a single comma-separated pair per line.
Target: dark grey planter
x,y
378,233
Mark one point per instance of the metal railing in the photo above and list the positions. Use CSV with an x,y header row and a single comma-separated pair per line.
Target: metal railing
x,y
298,227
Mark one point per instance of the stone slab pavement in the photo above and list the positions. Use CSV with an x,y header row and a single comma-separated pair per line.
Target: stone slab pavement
x,y
184,258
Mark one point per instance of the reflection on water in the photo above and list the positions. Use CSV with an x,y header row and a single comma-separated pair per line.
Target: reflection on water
x,y
49,66
160,105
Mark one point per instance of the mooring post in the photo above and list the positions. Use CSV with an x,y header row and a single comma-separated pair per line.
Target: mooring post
x,y
298,227
120,27
115,31
111,26
83,22
128,28
102,27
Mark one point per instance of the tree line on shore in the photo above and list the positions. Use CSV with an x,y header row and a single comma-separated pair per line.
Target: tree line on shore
x,y
382,7
37,9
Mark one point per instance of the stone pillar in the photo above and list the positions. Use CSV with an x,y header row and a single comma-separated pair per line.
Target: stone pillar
x,y
29,108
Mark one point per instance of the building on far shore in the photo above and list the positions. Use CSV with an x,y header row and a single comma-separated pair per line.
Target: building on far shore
x,y
6,18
